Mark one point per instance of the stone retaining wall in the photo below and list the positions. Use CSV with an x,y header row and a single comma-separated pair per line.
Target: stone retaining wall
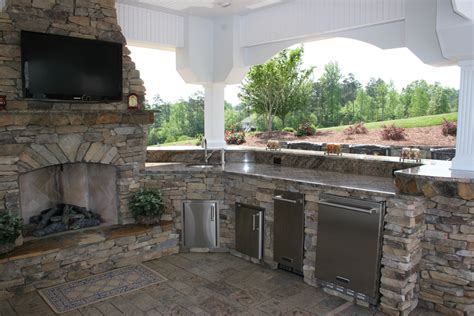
x,y
57,259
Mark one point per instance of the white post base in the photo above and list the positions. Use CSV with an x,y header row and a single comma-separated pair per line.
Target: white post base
x,y
464,159
214,115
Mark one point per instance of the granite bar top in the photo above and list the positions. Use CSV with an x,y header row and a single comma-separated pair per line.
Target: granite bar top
x,y
356,182
437,170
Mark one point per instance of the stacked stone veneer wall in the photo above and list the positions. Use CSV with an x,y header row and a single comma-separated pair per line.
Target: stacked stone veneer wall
x,y
447,264
179,187
37,134
421,261
54,260
402,250
401,254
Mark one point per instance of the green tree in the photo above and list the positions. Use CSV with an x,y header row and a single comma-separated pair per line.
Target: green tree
x,y
420,99
392,101
278,87
362,106
439,102
331,89
350,86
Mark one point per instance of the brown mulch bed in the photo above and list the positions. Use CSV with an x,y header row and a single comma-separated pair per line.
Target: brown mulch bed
x,y
420,136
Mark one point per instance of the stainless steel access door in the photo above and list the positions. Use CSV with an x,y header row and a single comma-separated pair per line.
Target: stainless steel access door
x,y
348,250
249,230
201,224
288,230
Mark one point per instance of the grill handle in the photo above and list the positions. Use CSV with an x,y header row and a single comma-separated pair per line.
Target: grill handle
x,y
350,208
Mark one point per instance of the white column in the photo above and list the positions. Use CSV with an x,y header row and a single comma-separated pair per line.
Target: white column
x,y
464,159
214,115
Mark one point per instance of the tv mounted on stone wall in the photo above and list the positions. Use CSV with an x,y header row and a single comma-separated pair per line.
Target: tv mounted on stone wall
x,y
58,67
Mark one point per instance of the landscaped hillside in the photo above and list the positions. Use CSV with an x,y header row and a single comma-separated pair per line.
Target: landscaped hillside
x,y
419,131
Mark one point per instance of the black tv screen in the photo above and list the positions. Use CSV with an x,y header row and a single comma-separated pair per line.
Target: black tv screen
x,y
58,67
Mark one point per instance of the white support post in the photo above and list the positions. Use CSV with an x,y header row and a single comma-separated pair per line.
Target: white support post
x,y
464,159
214,115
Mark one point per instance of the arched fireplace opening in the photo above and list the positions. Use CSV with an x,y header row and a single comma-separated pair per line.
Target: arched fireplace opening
x,y
68,197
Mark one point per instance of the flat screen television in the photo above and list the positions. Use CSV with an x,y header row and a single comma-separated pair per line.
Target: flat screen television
x,y
58,67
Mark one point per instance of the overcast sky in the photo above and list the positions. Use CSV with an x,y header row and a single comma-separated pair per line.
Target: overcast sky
x,y
158,68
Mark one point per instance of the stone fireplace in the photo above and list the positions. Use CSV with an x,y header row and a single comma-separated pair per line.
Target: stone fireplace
x,y
90,155
87,154
89,186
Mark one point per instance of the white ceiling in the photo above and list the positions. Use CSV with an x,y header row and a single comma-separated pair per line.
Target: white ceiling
x,y
207,8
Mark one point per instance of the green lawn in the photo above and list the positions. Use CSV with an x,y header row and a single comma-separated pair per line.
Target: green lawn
x,y
420,121
180,143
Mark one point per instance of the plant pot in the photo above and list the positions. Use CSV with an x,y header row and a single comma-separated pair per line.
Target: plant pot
x,y
6,248
148,220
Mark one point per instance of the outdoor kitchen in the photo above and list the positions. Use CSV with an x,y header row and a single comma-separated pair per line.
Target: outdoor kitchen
x,y
107,225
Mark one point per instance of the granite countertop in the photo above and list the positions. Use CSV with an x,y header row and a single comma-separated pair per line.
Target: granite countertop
x,y
379,185
438,170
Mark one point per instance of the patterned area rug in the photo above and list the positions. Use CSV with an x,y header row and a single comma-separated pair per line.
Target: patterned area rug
x,y
72,295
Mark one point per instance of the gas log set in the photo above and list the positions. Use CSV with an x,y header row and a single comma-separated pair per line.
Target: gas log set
x,y
61,218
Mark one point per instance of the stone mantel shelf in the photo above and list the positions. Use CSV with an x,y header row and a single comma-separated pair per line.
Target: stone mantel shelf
x,y
74,117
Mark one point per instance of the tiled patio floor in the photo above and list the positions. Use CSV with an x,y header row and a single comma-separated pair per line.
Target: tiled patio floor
x,y
203,284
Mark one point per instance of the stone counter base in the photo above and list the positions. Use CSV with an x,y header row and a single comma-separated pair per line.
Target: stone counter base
x,y
53,260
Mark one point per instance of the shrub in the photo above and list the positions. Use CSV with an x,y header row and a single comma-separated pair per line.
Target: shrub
x,y
356,129
392,132
10,228
147,206
449,128
234,138
199,138
305,129
289,129
183,138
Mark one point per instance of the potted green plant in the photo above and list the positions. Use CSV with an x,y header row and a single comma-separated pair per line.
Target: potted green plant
x,y
147,206
10,230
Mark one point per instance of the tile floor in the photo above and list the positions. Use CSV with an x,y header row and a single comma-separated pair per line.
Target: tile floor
x,y
208,284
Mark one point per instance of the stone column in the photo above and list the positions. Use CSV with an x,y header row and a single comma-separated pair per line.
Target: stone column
x,y
401,254
214,115
464,159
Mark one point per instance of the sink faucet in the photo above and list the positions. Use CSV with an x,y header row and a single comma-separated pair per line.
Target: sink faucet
x,y
208,156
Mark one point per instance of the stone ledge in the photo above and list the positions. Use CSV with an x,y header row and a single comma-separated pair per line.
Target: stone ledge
x,y
64,118
38,247
53,260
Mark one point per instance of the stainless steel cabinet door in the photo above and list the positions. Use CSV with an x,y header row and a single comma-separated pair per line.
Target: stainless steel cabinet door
x,y
200,228
288,230
249,230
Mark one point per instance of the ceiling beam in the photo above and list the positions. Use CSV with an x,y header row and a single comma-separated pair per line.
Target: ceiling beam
x,y
464,8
